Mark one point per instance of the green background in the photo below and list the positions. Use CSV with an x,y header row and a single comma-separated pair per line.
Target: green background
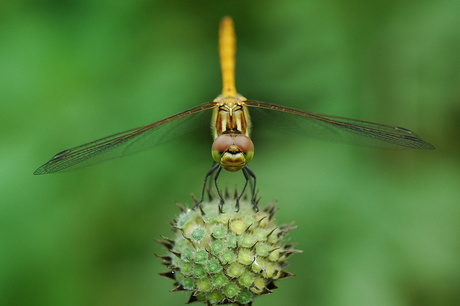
x,y
377,227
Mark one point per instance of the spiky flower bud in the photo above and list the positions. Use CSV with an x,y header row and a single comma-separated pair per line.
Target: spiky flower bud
x,y
228,257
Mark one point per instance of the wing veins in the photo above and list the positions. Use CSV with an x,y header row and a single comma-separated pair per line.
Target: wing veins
x,y
79,154
392,134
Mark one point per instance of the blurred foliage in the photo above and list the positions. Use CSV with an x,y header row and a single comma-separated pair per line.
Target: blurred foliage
x,y
378,227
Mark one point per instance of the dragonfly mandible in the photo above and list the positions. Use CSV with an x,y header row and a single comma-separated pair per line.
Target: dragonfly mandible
x,y
232,148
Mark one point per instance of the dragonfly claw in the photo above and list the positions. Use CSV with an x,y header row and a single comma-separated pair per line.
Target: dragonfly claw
x,y
196,204
254,203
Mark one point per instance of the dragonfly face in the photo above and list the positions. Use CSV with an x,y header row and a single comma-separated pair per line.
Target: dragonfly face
x,y
232,151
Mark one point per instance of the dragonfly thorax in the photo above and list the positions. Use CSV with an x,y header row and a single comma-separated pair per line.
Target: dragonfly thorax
x,y
232,151
230,114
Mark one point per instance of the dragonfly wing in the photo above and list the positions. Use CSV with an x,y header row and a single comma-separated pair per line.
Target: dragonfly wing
x,y
130,141
334,127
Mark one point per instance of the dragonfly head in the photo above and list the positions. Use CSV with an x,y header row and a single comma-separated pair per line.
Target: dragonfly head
x,y
232,151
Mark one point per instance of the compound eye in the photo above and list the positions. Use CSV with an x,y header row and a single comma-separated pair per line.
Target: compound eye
x,y
219,146
222,143
244,143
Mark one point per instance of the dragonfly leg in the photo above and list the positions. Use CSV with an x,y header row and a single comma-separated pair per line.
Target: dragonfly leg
x,y
205,183
246,176
253,189
222,201
250,177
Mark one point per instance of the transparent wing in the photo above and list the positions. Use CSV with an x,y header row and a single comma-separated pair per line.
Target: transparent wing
x,y
333,127
130,141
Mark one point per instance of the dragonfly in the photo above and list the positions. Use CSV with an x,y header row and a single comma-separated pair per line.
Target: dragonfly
x,y
232,147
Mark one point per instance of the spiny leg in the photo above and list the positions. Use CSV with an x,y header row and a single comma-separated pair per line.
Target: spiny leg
x,y
253,188
222,201
248,174
205,183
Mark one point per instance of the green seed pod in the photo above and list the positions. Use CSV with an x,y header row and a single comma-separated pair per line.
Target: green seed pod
x,y
229,257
